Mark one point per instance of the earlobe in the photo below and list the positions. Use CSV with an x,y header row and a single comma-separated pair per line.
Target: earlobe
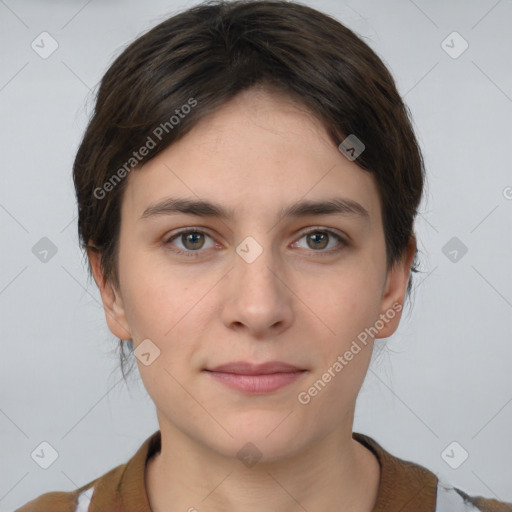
x,y
111,298
394,292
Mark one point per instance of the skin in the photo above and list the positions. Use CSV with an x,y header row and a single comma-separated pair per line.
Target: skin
x,y
257,154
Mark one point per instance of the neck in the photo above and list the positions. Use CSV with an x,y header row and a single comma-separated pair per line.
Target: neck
x,y
335,472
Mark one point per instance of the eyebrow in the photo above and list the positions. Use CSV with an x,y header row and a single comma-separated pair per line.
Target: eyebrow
x,y
202,208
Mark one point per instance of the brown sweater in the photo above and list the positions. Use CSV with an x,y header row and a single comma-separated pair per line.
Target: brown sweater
x,y
403,487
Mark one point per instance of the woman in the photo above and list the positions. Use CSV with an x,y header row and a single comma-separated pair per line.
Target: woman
x,y
247,189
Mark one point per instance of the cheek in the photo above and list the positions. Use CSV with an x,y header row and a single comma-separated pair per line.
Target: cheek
x,y
350,301
350,307
164,305
152,297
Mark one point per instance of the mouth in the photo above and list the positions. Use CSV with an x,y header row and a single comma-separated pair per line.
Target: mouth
x,y
246,368
256,379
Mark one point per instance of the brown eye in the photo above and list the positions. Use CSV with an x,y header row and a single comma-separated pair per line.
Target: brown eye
x,y
192,241
317,240
188,242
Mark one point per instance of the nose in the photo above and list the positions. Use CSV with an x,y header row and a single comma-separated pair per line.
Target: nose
x,y
257,297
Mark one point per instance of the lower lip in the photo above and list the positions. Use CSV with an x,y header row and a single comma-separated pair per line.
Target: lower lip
x,y
256,383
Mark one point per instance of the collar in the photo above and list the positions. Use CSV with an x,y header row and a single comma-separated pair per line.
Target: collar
x,y
403,485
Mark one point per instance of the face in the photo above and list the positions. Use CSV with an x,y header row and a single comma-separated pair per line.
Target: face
x,y
258,285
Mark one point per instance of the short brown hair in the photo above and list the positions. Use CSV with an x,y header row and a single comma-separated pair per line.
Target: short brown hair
x,y
203,57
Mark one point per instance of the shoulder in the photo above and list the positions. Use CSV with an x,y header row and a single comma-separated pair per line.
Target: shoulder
x,y
455,500
410,487
75,501
106,493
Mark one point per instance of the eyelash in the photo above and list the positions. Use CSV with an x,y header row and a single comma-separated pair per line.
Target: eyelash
x,y
195,254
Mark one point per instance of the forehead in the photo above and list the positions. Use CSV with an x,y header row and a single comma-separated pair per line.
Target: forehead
x,y
256,154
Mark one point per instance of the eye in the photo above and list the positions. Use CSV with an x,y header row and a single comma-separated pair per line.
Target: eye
x,y
318,239
192,240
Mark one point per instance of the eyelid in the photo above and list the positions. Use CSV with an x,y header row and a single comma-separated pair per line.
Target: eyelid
x,y
312,229
184,231
342,240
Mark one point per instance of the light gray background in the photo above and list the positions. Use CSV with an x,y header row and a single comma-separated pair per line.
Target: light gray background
x,y
446,376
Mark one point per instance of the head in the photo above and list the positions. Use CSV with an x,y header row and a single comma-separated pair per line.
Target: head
x,y
242,107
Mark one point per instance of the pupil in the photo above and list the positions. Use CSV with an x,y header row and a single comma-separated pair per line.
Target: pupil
x,y
323,235
193,238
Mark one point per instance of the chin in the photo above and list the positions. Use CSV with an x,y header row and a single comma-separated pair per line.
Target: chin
x,y
272,436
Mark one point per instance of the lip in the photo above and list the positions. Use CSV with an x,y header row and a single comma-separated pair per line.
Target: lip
x,y
246,368
256,379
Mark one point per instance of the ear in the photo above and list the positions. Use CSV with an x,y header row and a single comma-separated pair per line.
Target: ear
x,y
394,291
111,298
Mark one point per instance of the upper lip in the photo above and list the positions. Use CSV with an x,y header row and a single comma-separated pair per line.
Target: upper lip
x,y
245,368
